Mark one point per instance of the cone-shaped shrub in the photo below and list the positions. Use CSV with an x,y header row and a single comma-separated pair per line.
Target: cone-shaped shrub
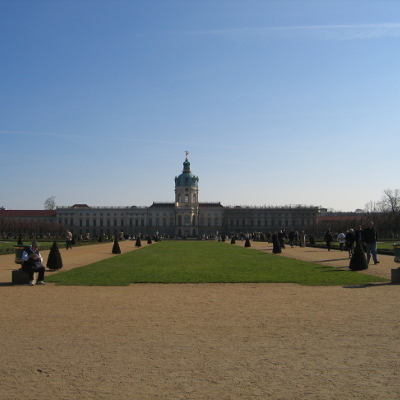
x,y
312,240
247,243
233,241
276,246
138,242
73,241
116,249
100,238
358,261
54,261
149,240
20,240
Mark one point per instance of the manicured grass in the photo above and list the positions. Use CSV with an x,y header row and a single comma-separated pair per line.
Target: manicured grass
x,y
205,262
388,245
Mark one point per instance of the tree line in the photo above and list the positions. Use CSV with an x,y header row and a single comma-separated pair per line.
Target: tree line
x,y
29,229
385,213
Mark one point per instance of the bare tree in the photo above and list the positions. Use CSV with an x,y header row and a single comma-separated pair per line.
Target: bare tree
x,y
50,203
372,207
391,200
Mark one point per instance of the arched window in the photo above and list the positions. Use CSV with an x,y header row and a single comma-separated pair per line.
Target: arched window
x,y
186,198
179,198
194,198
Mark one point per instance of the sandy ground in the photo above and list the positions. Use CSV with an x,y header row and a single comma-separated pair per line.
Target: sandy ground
x,y
206,341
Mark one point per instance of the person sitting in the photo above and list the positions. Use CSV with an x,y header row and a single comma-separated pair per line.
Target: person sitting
x,y
33,262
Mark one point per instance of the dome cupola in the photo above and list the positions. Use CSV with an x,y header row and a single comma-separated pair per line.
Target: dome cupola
x,y
186,178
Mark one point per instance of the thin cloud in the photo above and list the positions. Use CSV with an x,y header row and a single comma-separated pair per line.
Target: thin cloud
x,y
338,32
21,133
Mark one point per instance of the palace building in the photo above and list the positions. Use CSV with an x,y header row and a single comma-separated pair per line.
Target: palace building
x,y
187,216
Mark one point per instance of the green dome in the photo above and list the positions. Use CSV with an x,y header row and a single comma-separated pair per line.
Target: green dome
x,y
186,178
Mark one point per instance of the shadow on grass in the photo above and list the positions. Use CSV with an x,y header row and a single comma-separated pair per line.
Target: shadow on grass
x,y
331,260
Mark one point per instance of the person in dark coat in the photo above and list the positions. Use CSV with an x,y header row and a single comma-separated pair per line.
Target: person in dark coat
x,y
350,240
370,238
33,262
291,238
281,237
328,239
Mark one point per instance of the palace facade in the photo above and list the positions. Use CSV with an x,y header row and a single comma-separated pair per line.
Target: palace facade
x,y
185,217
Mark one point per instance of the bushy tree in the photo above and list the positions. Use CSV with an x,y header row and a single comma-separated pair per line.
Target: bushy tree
x,y
276,246
116,249
54,261
358,260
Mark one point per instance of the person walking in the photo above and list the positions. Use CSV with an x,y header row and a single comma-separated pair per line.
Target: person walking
x,y
328,239
302,237
341,239
291,238
68,240
370,238
350,240
281,237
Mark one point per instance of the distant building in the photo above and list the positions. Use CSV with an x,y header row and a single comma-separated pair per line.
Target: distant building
x,y
185,216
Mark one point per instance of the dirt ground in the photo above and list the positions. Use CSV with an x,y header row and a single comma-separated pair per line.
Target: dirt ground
x,y
205,341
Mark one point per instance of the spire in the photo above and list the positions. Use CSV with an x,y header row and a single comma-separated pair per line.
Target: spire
x,y
186,164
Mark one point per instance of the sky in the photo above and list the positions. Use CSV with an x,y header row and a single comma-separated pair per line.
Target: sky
x,y
278,102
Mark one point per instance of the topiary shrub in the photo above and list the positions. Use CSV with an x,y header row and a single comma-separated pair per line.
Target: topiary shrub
x,y
138,242
116,249
233,241
20,240
276,246
358,261
149,240
54,261
247,243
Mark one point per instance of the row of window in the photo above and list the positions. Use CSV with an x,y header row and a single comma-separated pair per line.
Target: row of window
x,y
278,223
187,221
186,198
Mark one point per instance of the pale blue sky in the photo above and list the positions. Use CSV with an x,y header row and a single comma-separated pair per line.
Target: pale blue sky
x,y
278,102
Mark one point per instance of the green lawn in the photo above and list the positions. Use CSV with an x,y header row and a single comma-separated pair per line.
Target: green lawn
x,y
205,262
